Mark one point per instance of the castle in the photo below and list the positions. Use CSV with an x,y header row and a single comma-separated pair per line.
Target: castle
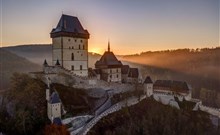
x,y
70,55
70,51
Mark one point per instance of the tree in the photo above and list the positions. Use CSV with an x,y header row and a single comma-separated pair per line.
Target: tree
x,y
54,129
27,96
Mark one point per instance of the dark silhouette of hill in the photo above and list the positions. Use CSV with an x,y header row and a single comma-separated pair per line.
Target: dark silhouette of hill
x,y
11,63
149,117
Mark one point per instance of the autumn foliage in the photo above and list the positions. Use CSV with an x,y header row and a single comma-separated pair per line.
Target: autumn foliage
x,y
54,129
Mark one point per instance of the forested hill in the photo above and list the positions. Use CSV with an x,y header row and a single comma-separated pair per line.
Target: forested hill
x,y
202,62
149,117
11,63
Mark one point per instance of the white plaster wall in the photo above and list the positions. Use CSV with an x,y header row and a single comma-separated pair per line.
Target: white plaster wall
x,y
54,110
56,42
77,46
210,110
115,74
78,55
148,89
56,56
164,99
47,94
173,103
49,111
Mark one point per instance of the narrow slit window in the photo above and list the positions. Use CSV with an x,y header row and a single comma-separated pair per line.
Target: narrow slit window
x,y
72,57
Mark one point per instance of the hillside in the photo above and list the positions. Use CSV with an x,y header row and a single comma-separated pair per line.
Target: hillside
x,y
34,53
201,62
38,53
152,118
11,63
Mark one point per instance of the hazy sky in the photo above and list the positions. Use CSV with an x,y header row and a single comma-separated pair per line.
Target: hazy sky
x,y
132,26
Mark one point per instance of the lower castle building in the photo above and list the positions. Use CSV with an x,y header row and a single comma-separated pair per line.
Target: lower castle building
x,y
110,69
167,87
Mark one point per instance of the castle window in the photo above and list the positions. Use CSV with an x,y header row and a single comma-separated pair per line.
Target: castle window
x,y
72,57
69,39
117,70
75,40
110,76
117,75
83,47
72,67
81,41
110,71
80,67
81,54
72,47
69,47
64,24
79,47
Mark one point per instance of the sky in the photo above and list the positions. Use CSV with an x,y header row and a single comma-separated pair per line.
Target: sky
x,y
131,26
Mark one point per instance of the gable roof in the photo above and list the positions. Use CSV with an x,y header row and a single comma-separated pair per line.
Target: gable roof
x,y
148,80
133,73
108,60
54,98
177,86
69,26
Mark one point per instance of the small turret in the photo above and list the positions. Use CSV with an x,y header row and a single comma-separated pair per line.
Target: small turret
x,y
45,63
57,63
148,86
54,106
108,46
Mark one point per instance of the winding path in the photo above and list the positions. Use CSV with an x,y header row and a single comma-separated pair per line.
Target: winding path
x,y
116,107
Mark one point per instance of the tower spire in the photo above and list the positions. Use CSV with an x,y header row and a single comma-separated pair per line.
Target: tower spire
x,y
108,46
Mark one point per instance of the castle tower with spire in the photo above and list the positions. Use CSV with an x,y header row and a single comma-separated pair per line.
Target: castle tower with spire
x,y
109,66
70,45
108,46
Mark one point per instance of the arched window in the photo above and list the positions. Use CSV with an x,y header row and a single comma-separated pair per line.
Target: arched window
x,y
79,47
72,57
83,47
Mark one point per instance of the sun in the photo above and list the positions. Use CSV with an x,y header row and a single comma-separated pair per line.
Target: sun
x,y
96,50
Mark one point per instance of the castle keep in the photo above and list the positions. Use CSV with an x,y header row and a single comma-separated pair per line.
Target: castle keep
x,y
70,45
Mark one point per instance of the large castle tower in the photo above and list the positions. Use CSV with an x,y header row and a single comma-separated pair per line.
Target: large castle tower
x,y
70,45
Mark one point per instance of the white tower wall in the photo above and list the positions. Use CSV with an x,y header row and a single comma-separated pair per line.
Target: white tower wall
x,y
72,54
148,89
53,110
